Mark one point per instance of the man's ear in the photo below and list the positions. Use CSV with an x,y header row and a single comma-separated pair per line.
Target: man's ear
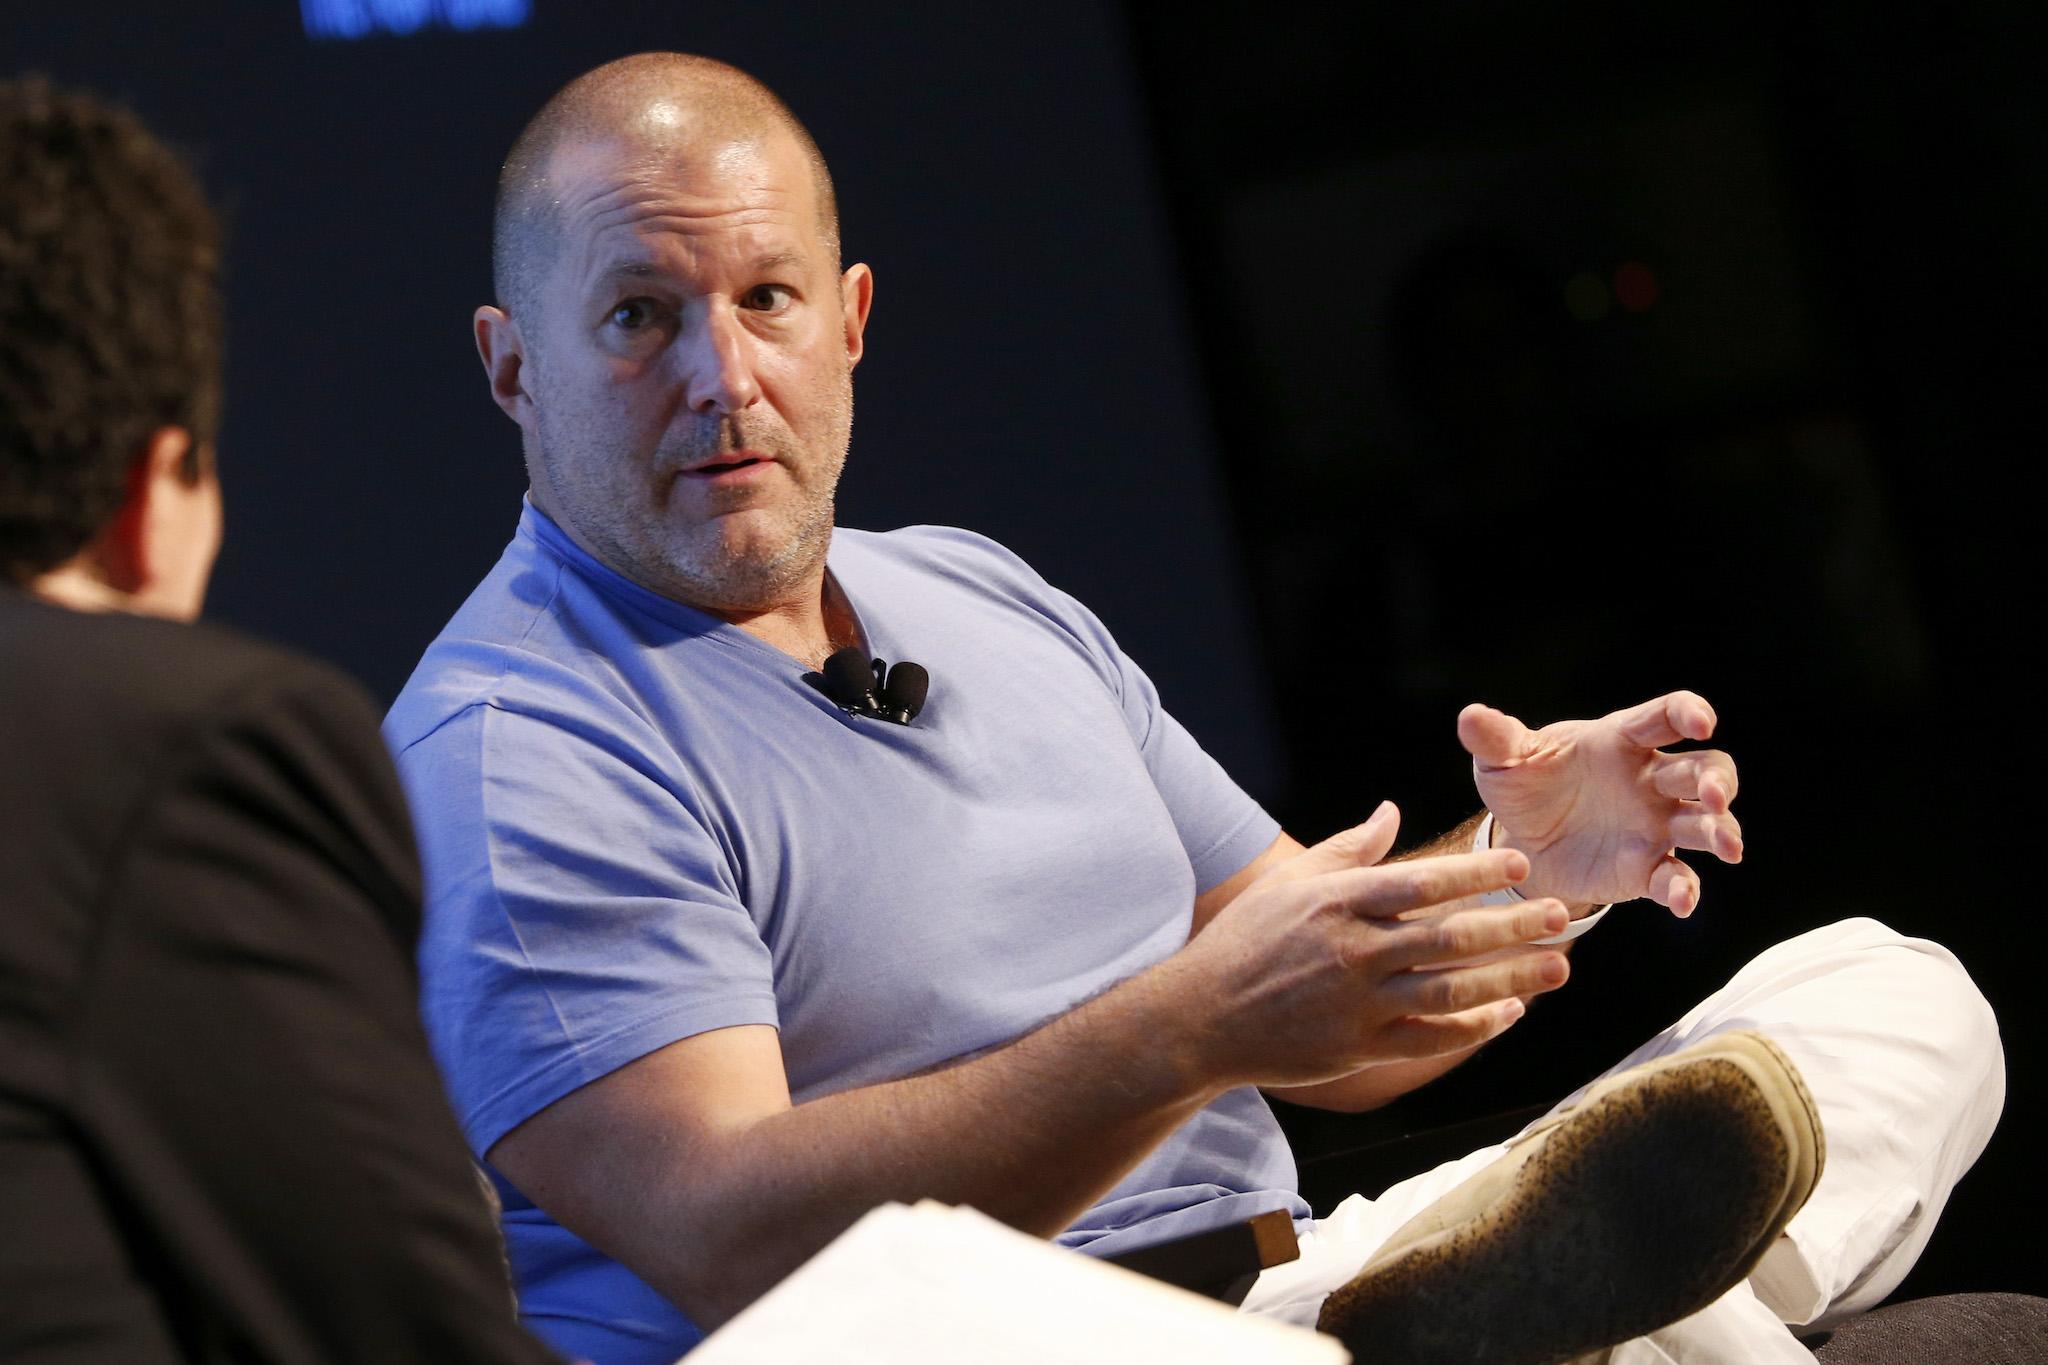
x,y
156,552
503,351
856,296
128,553
159,549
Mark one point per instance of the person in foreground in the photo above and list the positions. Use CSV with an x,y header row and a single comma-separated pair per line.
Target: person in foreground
x,y
221,1135
714,964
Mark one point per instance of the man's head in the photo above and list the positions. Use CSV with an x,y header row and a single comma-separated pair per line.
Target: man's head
x,y
110,339
673,333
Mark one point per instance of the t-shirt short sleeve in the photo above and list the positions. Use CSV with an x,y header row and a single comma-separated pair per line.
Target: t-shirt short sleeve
x,y
1220,826
586,912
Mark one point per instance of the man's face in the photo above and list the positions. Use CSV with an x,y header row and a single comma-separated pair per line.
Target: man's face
x,y
690,370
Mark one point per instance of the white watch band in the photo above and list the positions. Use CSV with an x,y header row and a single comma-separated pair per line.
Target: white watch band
x,y
1482,840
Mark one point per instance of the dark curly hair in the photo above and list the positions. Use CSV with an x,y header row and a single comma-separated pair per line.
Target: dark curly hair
x,y
110,316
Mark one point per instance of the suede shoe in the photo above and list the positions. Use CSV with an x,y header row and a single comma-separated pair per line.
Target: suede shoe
x,y
1641,1203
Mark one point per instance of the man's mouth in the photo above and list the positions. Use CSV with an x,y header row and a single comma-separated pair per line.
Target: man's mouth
x,y
732,466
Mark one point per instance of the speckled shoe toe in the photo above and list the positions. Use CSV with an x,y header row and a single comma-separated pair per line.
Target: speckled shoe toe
x,y
1649,1198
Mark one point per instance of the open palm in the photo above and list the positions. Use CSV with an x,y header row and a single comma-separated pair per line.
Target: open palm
x,y
1597,805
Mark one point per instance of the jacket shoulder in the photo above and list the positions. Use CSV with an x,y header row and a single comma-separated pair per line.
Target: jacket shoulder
x,y
109,667
89,699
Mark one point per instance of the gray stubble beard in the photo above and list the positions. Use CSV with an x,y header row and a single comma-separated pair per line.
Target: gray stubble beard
x,y
738,583
734,582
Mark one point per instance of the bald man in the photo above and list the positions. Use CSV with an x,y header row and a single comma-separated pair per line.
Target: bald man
x,y
718,959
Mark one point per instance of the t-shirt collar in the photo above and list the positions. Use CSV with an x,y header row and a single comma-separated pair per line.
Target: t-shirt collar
x,y
543,529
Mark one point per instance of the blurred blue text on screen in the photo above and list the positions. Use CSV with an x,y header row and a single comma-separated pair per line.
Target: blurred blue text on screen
x,y
370,18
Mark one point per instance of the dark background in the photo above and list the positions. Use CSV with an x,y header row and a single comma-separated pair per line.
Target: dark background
x,y
1353,363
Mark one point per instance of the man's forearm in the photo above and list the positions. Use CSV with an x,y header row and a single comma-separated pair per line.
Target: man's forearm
x,y
1032,1133
1456,840
1373,1087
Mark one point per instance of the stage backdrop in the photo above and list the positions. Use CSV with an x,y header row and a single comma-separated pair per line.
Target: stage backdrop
x,y
1028,373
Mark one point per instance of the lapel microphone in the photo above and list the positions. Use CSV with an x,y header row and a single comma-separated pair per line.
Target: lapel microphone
x,y
903,695
870,687
846,681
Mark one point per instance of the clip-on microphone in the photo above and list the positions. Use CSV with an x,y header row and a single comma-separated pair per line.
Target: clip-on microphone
x,y
903,695
869,687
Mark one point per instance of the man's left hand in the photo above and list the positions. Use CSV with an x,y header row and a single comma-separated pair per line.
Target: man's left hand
x,y
1598,808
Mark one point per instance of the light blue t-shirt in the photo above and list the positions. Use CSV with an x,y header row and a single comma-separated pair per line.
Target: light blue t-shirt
x,y
640,824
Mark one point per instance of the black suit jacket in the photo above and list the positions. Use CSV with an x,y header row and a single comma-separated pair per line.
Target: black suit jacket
x,y
221,1136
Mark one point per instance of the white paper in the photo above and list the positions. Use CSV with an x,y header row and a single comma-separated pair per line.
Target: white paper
x,y
940,1284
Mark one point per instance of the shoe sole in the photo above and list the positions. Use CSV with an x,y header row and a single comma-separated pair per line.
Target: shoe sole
x,y
1579,1253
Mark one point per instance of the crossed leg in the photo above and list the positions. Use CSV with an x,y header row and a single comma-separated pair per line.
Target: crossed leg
x,y
1902,1056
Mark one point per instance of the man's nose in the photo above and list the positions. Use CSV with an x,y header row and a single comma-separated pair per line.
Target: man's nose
x,y
720,371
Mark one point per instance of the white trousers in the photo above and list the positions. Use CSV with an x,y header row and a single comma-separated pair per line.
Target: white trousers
x,y
1902,1056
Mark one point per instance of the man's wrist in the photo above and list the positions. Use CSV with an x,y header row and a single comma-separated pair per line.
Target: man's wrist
x,y
1584,915
1189,1060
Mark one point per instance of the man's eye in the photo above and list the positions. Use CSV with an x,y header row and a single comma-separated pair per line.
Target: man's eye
x,y
769,298
633,314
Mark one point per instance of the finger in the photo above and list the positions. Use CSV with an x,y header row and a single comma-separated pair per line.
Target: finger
x,y
1704,775
1700,828
1668,719
1447,990
1467,934
1675,886
1434,1035
1385,891
1360,846
1495,739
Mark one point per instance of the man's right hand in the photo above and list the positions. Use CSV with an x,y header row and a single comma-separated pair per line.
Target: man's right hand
x,y
1313,974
